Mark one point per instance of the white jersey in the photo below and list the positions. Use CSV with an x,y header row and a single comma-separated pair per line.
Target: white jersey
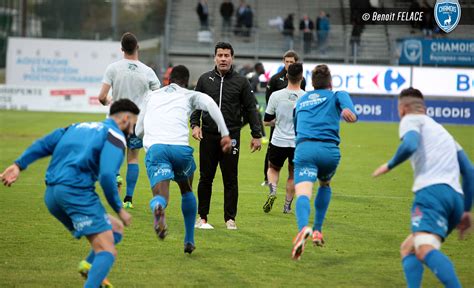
x,y
130,79
165,115
435,161
281,104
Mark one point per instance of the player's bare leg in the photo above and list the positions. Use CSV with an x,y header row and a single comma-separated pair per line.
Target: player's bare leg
x,y
105,253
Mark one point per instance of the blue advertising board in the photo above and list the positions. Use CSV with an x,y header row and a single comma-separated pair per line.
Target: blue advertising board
x,y
384,109
440,52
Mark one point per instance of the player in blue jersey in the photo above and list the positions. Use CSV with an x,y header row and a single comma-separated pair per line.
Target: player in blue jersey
x,y
317,117
439,205
82,154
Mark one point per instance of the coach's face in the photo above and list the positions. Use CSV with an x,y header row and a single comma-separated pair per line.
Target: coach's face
x,y
288,61
223,60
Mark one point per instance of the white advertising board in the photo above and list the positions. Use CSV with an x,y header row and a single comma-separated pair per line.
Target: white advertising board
x,y
357,79
56,63
39,98
447,82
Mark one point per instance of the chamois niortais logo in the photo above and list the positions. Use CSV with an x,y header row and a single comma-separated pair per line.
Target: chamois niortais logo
x,y
447,14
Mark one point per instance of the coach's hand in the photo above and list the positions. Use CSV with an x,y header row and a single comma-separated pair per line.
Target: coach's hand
x,y
464,225
10,175
197,133
255,144
226,144
348,116
381,170
125,217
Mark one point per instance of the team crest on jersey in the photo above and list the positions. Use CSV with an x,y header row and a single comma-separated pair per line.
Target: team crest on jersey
x,y
447,14
132,67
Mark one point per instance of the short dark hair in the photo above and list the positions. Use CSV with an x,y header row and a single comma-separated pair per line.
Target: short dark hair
x,y
321,77
180,75
224,45
129,43
291,53
295,72
258,64
411,92
124,105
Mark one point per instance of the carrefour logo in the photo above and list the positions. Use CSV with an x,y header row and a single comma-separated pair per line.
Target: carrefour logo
x,y
390,79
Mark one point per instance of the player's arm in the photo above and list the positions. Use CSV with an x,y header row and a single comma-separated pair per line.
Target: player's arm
x,y
269,91
104,98
408,146
269,118
467,172
40,148
140,126
204,102
195,119
153,81
111,159
347,107
249,107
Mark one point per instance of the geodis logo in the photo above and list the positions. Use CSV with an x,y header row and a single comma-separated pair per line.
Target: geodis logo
x,y
447,14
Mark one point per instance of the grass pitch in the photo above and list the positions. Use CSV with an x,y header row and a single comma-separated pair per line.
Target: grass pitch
x,y
366,222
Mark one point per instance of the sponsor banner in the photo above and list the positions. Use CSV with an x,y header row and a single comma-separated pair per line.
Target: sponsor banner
x,y
56,63
444,81
386,110
440,52
358,79
55,99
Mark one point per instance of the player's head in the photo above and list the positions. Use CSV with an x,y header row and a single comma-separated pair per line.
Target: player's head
x,y
295,73
180,75
129,43
289,58
125,113
259,69
321,77
411,101
223,56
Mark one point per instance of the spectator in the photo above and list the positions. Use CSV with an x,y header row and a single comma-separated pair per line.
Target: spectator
x,y
322,29
240,18
233,94
227,9
414,7
288,30
254,84
203,13
247,21
307,26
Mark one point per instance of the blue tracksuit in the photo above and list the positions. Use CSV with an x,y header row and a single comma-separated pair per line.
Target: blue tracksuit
x,y
317,121
81,154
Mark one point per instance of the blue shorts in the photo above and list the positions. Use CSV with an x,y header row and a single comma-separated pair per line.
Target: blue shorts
x,y
169,162
79,210
315,160
133,142
436,209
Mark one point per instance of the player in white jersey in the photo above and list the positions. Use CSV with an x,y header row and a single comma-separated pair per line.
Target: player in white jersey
x,y
279,114
163,124
438,207
131,79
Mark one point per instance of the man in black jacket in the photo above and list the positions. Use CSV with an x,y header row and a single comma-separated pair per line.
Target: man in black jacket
x,y
277,82
233,95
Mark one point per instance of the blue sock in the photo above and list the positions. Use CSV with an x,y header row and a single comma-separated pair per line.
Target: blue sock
x,y
132,178
158,199
442,267
189,209
303,209
413,269
100,268
321,204
91,256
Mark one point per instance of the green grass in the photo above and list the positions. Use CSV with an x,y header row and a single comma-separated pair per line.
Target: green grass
x,y
366,222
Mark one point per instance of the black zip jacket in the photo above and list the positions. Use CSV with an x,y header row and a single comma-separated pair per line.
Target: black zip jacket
x,y
277,82
233,95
